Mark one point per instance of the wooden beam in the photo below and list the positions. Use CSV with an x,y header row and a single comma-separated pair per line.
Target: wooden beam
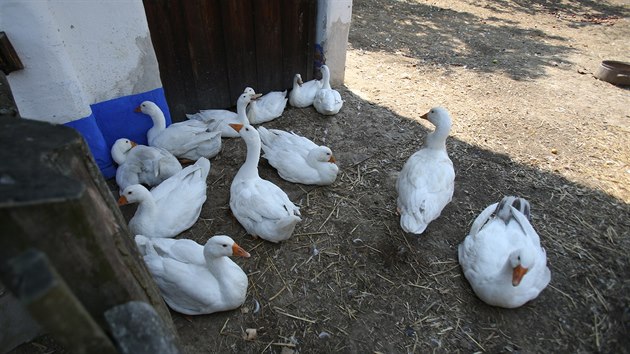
x,y
54,198
45,295
9,60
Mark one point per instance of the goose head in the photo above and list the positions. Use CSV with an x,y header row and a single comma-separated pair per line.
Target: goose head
x,y
148,108
120,149
321,154
247,132
223,246
253,95
439,117
297,80
521,261
133,194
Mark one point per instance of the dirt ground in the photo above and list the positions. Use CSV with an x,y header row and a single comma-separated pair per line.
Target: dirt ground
x,y
529,119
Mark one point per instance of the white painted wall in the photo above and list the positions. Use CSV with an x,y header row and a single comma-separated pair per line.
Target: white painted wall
x,y
333,26
77,53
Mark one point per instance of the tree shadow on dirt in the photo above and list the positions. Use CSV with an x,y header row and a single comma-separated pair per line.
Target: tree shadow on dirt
x,y
578,13
445,37
350,280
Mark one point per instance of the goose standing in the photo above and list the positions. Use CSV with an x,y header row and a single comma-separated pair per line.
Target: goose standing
x,y
195,279
189,140
297,158
261,207
426,183
220,119
303,93
267,107
142,164
327,101
173,206
502,258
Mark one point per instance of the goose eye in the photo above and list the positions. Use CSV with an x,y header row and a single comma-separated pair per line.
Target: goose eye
x,y
519,258
224,245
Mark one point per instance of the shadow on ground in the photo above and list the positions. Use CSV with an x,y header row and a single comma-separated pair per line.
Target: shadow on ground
x,y
439,36
350,280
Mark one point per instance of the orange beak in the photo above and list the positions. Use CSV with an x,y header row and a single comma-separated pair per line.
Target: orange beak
x,y
122,200
300,82
236,127
517,274
256,96
133,144
138,110
238,251
332,159
425,116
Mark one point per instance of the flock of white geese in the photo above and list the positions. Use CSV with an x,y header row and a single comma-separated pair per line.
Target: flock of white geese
x,y
501,256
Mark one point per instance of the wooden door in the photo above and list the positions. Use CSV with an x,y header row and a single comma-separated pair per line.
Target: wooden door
x,y
210,50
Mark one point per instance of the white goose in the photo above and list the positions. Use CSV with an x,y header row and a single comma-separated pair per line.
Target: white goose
x,y
220,119
502,258
142,164
298,159
262,208
426,183
268,107
327,101
190,139
173,206
303,93
195,279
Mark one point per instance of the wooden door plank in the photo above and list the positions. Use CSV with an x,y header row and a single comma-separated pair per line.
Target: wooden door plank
x,y
204,26
240,45
269,49
169,37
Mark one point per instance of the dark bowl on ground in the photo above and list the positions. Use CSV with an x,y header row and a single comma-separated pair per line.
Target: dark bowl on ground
x,y
615,72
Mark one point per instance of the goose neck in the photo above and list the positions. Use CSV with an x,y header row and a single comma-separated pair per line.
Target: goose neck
x,y
119,156
250,166
326,79
437,138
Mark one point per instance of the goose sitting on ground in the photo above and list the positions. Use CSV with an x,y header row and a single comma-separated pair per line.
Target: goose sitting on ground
x,y
173,206
303,93
426,183
220,119
141,164
327,101
298,159
267,107
195,279
261,207
189,140
502,258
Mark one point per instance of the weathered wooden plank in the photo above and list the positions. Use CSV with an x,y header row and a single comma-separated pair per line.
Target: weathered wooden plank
x,y
298,36
138,329
239,45
9,60
170,41
206,47
48,299
210,50
53,197
269,49
8,108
